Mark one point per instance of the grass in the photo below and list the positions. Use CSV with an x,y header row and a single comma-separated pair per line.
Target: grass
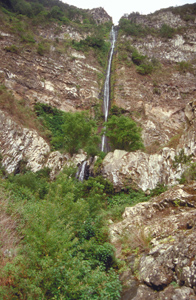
x,y
138,241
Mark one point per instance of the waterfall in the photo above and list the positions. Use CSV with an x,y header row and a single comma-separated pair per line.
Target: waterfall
x,y
81,171
106,99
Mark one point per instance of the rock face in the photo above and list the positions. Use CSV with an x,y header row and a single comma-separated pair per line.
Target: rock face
x,y
62,77
21,144
159,246
100,15
138,169
145,171
157,101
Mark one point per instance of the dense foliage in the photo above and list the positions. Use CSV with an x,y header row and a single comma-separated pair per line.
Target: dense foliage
x,y
131,28
123,133
51,8
64,251
69,131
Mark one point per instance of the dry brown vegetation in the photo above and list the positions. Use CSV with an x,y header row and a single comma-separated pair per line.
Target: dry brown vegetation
x,y
20,112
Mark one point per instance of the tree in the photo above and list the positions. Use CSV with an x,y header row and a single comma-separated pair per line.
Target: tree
x,y
78,132
123,133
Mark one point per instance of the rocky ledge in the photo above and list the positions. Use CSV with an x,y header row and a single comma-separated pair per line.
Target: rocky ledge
x,y
157,241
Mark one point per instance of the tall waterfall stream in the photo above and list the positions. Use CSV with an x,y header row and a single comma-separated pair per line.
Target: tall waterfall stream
x,y
106,103
106,99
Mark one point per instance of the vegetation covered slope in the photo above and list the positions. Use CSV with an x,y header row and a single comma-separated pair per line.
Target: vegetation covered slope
x,y
61,248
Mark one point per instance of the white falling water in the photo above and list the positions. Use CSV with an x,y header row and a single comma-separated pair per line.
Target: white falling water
x,y
106,99
81,171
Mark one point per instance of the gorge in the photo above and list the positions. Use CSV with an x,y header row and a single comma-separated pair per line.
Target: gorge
x,y
129,231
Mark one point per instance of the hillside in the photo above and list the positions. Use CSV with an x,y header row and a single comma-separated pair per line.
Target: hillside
x,y
128,232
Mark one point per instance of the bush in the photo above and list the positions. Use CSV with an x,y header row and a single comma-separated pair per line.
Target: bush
x,y
189,174
159,189
78,133
145,69
123,133
181,158
166,31
41,49
137,58
117,203
131,28
184,66
29,38
60,233
35,182
69,131
12,49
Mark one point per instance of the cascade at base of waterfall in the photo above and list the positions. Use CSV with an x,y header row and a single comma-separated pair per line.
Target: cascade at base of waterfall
x,y
80,175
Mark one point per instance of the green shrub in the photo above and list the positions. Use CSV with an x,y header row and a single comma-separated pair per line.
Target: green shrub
x,y
123,133
56,13
166,31
159,189
184,66
137,58
23,7
35,182
189,174
117,203
61,232
144,69
181,158
78,132
144,64
12,49
41,49
130,28
69,131
29,38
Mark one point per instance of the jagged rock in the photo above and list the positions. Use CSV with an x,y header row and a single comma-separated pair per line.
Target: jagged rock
x,y
188,139
145,171
100,15
140,169
144,293
56,161
164,211
18,143
157,19
162,231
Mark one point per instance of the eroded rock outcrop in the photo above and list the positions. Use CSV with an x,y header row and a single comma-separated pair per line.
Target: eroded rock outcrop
x,y
157,101
100,15
61,76
159,247
139,169
21,144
